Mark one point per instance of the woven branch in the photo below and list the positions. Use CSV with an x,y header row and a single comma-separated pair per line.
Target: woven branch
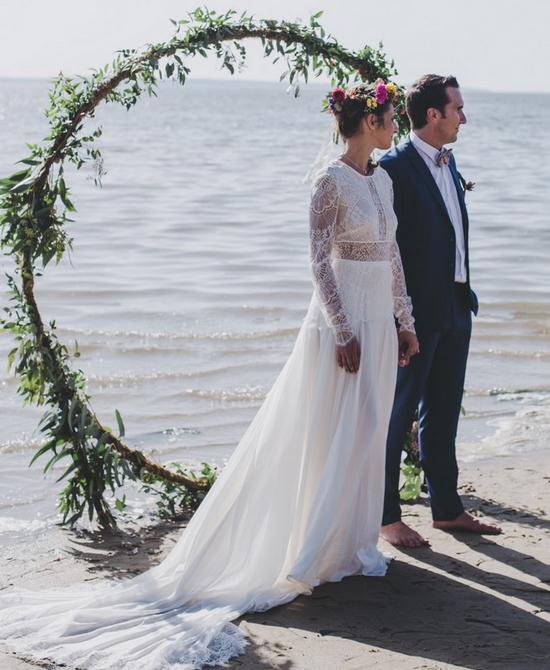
x,y
33,231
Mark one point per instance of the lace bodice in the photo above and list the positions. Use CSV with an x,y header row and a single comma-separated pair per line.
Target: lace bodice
x,y
352,217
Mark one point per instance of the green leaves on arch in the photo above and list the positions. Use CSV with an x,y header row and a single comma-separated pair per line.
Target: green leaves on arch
x,y
35,203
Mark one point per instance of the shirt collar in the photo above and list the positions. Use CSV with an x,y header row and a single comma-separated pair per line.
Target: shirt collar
x,y
424,147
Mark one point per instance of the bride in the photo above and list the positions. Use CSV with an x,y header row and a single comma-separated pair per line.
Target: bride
x,y
300,501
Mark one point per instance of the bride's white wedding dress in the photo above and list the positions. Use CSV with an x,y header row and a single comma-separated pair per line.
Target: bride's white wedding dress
x,y
300,501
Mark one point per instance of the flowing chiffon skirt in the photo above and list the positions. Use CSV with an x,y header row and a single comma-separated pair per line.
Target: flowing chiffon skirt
x,y
299,503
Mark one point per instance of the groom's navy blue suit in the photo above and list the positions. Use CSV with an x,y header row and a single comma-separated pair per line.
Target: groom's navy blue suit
x,y
433,381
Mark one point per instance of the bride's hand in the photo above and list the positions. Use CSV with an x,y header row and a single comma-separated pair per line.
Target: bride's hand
x,y
348,356
408,346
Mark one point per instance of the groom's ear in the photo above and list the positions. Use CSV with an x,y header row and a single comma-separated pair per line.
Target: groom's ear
x,y
433,114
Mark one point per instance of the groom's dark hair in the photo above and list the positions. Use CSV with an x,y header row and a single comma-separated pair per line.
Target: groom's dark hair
x,y
426,92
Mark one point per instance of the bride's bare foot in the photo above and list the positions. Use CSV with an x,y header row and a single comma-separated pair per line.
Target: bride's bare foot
x,y
469,523
401,535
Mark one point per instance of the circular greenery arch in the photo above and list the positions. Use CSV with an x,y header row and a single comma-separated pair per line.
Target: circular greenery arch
x,y
35,202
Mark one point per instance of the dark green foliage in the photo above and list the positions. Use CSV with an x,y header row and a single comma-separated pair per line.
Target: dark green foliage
x,y
411,468
173,499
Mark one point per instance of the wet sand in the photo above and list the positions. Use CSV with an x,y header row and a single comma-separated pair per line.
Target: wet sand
x,y
464,602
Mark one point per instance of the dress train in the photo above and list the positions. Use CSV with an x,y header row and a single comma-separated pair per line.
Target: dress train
x,y
299,502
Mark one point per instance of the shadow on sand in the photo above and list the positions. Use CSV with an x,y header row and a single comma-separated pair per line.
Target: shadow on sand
x,y
431,605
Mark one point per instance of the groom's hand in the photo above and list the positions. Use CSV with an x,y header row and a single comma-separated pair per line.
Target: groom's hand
x,y
408,346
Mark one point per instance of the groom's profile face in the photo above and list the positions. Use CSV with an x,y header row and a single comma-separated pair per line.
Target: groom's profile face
x,y
452,118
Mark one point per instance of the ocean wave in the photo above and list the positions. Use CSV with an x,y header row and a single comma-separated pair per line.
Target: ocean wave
x,y
129,336
514,433
236,395
519,353
523,396
22,443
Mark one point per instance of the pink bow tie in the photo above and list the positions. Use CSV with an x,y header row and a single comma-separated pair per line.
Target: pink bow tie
x,y
443,157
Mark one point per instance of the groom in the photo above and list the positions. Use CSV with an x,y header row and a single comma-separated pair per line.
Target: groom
x,y
433,239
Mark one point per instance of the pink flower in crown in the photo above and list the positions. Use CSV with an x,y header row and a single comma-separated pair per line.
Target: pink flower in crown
x,y
380,92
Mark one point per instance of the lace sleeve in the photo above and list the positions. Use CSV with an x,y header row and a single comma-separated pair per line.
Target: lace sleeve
x,y
322,221
402,305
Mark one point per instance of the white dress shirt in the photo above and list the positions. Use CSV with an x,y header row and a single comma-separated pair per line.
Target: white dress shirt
x,y
445,182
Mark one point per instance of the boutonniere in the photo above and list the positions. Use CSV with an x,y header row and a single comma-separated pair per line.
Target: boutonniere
x,y
466,185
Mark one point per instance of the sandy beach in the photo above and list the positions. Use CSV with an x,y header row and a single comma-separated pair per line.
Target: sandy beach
x,y
464,602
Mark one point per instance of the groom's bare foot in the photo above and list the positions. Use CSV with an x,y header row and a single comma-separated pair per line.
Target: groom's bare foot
x,y
401,535
469,523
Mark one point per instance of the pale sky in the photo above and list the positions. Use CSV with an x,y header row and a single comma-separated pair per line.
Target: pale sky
x,y
498,45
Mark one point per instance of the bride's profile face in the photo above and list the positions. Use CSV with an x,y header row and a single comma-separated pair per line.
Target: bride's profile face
x,y
386,129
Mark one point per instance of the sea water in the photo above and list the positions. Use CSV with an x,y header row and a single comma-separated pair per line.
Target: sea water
x,y
189,279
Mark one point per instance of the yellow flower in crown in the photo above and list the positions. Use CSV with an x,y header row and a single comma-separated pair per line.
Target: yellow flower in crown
x,y
392,91
382,93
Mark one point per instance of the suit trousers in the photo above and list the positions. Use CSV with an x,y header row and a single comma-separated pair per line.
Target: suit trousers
x,y
433,383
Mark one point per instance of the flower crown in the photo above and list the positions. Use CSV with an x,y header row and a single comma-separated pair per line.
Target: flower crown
x,y
382,93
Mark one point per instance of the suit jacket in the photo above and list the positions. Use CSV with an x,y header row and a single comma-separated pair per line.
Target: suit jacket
x,y
426,237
